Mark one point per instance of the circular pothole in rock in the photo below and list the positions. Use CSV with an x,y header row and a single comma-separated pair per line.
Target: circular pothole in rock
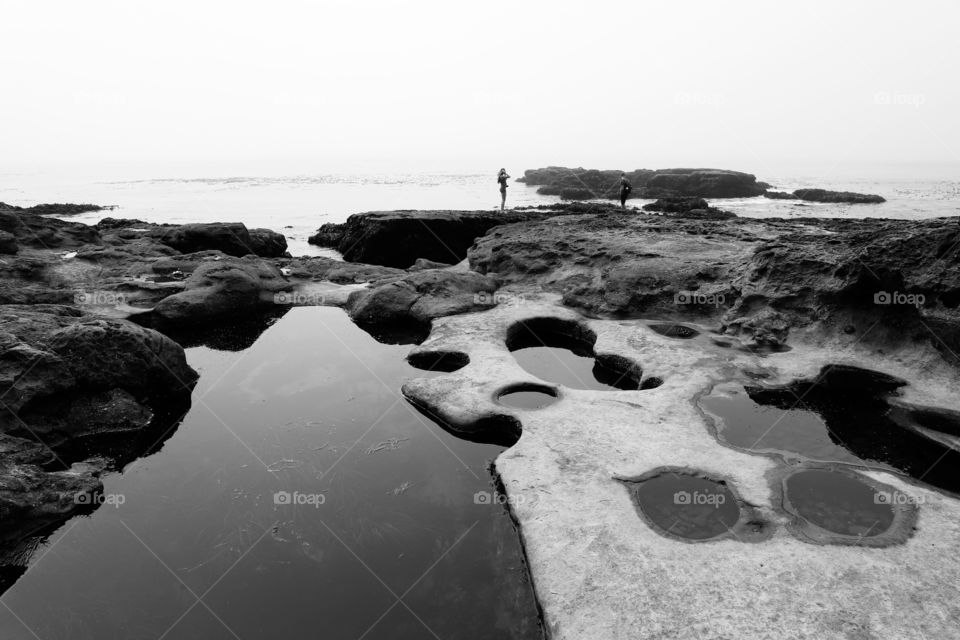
x,y
562,352
686,506
669,330
527,396
838,503
443,361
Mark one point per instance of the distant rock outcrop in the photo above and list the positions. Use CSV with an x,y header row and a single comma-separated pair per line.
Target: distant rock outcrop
x,y
581,184
53,209
823,195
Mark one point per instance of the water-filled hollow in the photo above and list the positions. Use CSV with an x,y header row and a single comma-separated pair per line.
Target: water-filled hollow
x,y
686,505
562,352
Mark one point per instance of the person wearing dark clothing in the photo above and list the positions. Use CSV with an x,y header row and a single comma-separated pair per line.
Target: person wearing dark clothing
x,y
625,189
502,179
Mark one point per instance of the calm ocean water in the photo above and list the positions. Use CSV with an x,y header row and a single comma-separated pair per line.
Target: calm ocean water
x,y
297,205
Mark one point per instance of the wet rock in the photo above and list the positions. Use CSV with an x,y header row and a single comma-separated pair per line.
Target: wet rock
x,y
8,243
15,450
268,243
232,238
421,296
34,231
64,373
31,497
220,287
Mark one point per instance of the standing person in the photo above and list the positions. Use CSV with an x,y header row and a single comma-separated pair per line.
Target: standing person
x,y
625,189
502,179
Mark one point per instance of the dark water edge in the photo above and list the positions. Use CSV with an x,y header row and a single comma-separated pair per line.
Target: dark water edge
x,y
377,530
843,416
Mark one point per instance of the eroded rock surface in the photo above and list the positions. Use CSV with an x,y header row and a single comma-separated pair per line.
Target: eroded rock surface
x,y
759,277
762,571
66,375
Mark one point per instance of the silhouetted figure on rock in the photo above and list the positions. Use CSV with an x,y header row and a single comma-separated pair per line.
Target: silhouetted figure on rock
x,y
625,189
502,180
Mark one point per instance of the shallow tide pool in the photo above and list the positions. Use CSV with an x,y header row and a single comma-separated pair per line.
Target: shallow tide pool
x,y
301,496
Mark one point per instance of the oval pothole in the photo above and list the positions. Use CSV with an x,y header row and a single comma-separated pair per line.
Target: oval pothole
x,y
443,361
527,396
838,506
562,351
686,505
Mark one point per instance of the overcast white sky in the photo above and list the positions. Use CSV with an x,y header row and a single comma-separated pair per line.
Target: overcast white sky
x,y
217,88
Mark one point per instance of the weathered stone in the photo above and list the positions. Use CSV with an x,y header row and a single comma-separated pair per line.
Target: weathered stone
x,y
232,238
218,288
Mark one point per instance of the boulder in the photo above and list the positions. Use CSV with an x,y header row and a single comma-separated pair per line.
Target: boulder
x,y
419,297
64,373
267,243
218,288
232,238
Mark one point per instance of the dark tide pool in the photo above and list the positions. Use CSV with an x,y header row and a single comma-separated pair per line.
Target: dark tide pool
x,y
842,416
561,366
527,398
301,497
686,506
838,503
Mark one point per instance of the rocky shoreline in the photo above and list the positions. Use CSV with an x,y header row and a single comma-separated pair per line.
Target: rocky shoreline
x,y
88,317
